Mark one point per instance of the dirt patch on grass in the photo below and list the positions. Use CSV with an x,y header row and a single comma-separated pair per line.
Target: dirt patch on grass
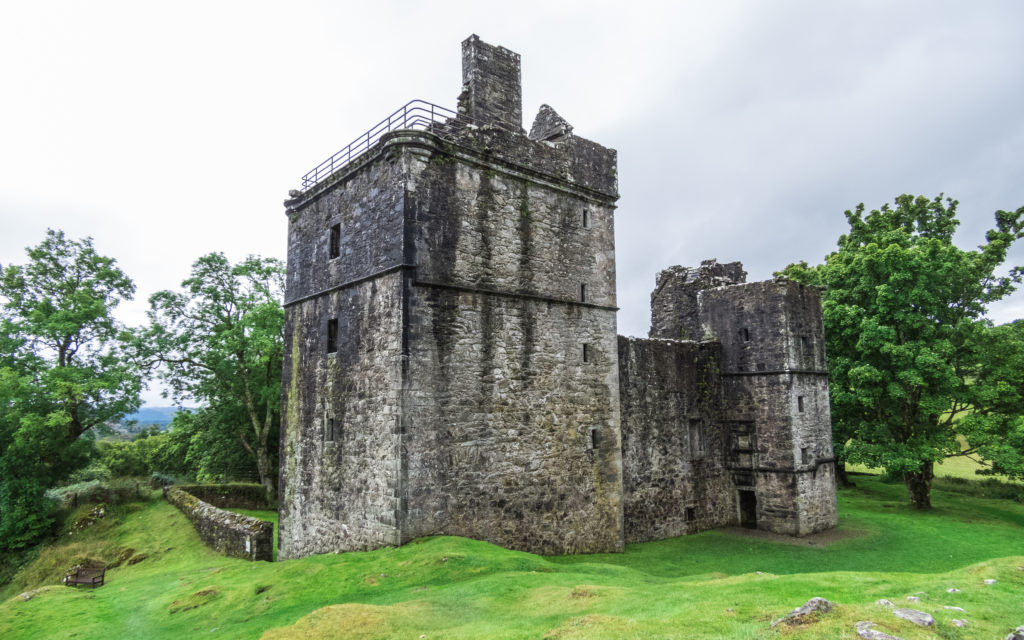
x,y
820,540
594,626
360,622
194,601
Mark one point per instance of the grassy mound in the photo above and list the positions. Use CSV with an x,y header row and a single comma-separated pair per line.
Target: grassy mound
x,y
721,584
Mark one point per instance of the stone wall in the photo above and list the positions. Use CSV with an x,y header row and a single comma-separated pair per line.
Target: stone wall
x,y
675,314
775,378
675,479
491,87
231,534
367,206
340,439
230,496
510,431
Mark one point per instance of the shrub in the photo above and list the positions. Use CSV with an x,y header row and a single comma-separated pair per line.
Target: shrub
x,y
95,471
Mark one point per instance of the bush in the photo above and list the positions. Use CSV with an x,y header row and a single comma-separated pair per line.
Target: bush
x,y
162,480
988,488
95,492
27,514
123,458
95,471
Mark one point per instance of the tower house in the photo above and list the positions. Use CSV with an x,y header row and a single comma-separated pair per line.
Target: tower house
x,y
450,342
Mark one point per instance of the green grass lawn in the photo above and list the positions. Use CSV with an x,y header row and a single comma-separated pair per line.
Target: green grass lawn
x,y
717,584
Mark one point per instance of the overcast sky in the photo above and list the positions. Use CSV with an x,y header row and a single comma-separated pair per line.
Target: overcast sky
x,y
744,129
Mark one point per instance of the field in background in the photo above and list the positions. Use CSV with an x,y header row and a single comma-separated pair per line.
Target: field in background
x,y
719,584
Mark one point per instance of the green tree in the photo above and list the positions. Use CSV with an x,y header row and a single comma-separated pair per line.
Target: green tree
x,y
906,333
221,341
63,372
993,422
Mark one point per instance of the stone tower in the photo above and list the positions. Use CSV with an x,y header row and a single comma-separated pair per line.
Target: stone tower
x,y
773,424
451,363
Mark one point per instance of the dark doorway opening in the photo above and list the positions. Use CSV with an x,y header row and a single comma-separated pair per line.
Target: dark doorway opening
x,y
748,509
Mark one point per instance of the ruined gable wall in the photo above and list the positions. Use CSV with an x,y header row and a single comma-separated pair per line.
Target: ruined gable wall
x,y
675,314
663,386
499,403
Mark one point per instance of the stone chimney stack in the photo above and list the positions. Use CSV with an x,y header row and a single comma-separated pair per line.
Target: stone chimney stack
x,y
491,86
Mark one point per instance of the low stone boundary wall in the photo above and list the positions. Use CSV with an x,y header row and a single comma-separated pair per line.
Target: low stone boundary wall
x,y
231,534
230,496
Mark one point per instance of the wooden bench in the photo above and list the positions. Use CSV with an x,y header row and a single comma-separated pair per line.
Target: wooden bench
x,y
92,576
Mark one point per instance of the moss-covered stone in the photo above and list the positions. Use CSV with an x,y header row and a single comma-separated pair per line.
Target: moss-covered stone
x,y
231,534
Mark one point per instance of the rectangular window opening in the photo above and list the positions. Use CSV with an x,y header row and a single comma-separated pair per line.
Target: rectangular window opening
x,y
332,335
587,356
691,514
335,244
329,430
805,455
800,404
583,292
696,438
745,334
592,442
586,218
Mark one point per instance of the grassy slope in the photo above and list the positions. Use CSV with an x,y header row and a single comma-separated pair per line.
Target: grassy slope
x,y
699,586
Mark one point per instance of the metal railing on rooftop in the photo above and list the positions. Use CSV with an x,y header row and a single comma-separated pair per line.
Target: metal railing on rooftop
x,y
417,114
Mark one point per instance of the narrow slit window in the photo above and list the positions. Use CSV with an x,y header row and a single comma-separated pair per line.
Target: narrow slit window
x,y
583,292
592,442
335,242
805,455
745,334
691,514
332,335
805,342
696,438
329,430
800,404
587,356
586,218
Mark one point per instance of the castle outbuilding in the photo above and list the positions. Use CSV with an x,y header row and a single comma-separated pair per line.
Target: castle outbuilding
x,y
452,364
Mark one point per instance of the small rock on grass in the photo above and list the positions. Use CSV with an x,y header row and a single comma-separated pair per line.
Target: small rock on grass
x,y
1018,634
952,590
885,603
990,581
920,618
913,599
956,622
864,630
952,608
796,616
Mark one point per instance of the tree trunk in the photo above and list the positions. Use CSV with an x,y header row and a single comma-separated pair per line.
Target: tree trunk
x,y
266,471
919,484
844,480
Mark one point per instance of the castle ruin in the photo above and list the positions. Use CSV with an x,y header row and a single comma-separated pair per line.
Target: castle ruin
x,y
452,364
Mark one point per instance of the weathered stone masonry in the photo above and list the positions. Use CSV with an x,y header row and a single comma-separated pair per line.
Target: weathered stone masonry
x,y
231,534
452,364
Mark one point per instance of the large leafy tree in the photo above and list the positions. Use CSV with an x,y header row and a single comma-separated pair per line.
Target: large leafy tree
x,y
220,340
908,344
62,372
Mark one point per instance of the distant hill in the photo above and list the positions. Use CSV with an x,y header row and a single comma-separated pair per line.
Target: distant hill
x,y
160,416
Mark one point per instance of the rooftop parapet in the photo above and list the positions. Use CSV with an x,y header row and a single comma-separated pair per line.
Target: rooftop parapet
x,y
488,122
